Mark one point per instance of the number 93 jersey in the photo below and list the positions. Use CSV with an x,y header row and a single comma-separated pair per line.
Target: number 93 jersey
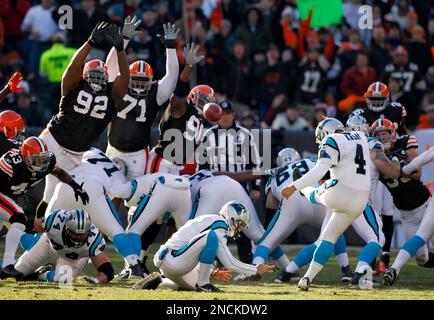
x,y
83,116
53,225
348,155
283,176
96,165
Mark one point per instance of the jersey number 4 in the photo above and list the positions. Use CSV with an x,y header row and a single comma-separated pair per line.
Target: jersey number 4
x,y
85,101
132,103
360,160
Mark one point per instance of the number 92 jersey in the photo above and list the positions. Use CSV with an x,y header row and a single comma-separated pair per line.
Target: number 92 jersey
x,y
83,116
130,128
283,176
347,153
53,225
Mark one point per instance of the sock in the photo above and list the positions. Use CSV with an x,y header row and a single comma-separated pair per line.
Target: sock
x,y
292,267
341,251
369,252
135,242
124,247
281,259
209,252
388,227
313,270
362,266
204,272
261,255
409,250
12,241
304,256
401,259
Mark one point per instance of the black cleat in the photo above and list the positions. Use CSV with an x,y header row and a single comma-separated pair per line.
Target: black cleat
x,y
390,277
363,281
136,272
430,262
10,272
207,288
123,275
285,276
144,267
150,282
347,274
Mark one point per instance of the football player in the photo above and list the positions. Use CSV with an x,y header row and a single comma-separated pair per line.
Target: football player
x,y
378,107
12,86
188,257
20,170
98,173
87,105
425,230
410,196
130,129
344,154
292,213
11,131
69,239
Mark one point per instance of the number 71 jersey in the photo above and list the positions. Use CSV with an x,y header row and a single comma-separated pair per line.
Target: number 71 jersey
x,y
348,155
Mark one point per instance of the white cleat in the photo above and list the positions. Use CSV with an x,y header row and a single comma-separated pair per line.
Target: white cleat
x,y
303,284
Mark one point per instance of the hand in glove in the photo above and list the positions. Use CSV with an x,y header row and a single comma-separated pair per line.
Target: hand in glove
x,y
191,55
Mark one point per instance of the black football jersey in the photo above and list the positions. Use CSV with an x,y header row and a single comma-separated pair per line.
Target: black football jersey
x,y
15,177
180,136
394,111
83,115
130,128
407,76
7,144
310,83
408,194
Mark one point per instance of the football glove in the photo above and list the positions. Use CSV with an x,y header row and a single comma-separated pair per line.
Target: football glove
x,y
98,34
191,56
14,81
130,25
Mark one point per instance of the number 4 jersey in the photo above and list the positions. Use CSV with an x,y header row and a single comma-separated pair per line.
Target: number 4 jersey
x,y
83,115
347,153
15,177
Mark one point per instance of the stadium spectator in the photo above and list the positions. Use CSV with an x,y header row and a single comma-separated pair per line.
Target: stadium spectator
x,y
357,79
290,120
142,47
397,95
120,11
86,16
399,12
418,49
40,26
12,13
426,120
28,110
253,32
237,80
378,52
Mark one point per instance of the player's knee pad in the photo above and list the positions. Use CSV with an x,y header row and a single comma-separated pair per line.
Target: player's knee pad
x,y
107,269
209,252
18,218
413,245
323,252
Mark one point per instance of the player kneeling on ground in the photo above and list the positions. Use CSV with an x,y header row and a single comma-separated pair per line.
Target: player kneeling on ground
x,y
69,239
187,258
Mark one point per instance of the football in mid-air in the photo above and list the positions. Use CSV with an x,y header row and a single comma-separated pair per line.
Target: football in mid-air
x,y
212,112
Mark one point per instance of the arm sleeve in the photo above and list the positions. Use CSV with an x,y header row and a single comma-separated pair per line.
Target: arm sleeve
x,y
419,161
313,176
121,190
167,84
230,262
112,63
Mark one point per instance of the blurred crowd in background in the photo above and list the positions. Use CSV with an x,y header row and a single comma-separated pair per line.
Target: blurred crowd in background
x,y
277,70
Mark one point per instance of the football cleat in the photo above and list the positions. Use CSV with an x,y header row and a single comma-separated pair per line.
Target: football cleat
x,y
150,282
357,279
136,272
245,277
144,267
123,275
10,272
384,263
347,274
285,276
303,284
207,288
390,277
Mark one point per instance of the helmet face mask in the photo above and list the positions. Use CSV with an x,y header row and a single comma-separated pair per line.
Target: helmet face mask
x,y
140,85
35,154
77,228
199,96
384,131
97,80
38,162
377,104
237,216
377,96
141,75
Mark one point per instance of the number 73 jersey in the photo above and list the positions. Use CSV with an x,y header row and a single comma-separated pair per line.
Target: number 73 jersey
x,y
348,155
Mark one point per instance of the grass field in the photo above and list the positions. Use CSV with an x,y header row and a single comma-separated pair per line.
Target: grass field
x,y
415,283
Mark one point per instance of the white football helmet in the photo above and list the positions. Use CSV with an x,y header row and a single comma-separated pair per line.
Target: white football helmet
x,y
326,127
77,228
237,216
287,155
357,123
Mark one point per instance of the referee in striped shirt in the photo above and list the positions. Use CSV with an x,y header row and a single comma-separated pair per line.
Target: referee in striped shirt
x,y
227,146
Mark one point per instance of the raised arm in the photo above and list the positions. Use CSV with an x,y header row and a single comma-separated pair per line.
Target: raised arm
x,y
72,74
64,176
419,161
167,84
12,86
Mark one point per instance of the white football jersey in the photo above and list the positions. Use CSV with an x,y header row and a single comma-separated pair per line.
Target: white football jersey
x,y
97,166
348,155
53,225
197,180
196,226
145,185
283,176
375,173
